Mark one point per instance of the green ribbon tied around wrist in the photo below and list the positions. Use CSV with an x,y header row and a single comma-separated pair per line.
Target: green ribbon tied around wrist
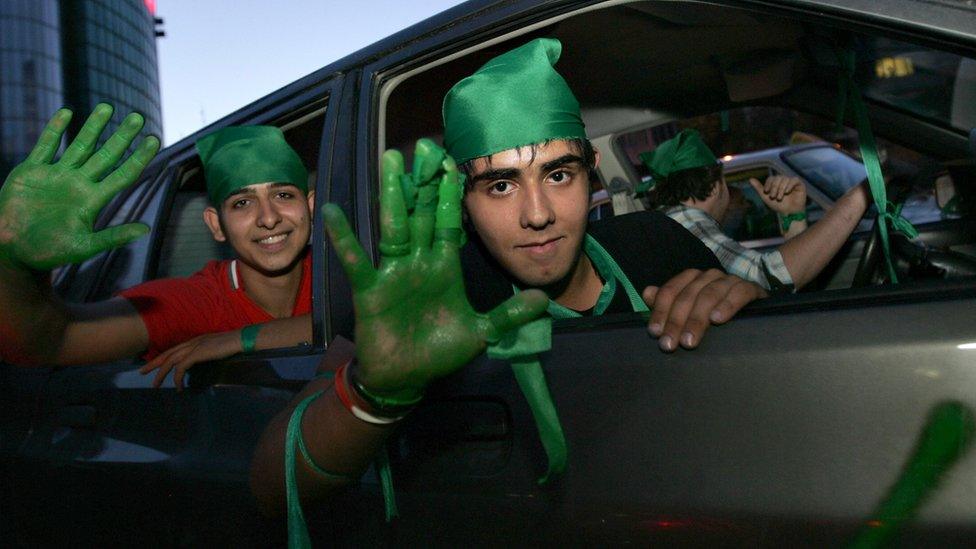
x,y
522,347
788,219
848,93
249,338
298,537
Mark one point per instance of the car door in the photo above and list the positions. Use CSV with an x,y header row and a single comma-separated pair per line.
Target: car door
x,y
787,426
111,460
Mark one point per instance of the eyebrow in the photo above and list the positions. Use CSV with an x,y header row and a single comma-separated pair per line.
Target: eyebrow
x,y
497,173
513,173
283,184
562,161
248,190
238,192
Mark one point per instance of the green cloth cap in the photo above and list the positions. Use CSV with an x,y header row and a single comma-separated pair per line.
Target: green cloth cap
x,y
516,99
238,156
682,152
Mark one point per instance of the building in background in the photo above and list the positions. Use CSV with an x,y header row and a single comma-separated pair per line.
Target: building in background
x,y
74,53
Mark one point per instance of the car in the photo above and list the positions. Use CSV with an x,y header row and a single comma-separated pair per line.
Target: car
x,y
788,426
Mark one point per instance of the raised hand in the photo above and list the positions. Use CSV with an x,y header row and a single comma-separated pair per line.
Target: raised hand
x,y
413,321
48,209
784,195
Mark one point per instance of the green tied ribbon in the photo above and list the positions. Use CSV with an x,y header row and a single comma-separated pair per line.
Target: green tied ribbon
x,y
521,347
513,100
685,151
249,337
848,93
298,537
237,156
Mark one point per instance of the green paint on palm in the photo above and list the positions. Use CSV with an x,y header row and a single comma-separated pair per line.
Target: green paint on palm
x,y
413,320
48,209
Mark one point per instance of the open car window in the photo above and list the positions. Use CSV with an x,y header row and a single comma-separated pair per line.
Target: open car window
x,y
758,90
758,141
175,205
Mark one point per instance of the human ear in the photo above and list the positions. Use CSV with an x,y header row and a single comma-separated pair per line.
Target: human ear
x,y
212,219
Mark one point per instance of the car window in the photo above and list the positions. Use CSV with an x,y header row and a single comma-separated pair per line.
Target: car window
x,y
748,217
629,108
185,244
809,146
940,86
832,171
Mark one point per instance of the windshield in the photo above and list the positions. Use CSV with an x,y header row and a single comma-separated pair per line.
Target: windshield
x,y
832,171
936,85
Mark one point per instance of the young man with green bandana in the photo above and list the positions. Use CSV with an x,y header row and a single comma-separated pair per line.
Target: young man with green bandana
x,y
514,127
260,206
421,314
689,185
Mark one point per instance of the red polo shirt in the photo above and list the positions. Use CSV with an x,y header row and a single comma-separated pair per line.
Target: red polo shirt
x,y
211,300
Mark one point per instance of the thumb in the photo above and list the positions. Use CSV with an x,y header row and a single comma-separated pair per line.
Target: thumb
x,y
760,190
113,237
757,185
515,311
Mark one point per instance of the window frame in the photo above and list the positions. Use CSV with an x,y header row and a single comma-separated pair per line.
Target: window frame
x,y
155,193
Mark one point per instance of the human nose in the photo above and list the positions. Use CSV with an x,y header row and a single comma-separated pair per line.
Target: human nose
x,y
268,215
537,210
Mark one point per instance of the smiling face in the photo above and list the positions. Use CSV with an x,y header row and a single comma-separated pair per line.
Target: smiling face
x,y
530,211
267,224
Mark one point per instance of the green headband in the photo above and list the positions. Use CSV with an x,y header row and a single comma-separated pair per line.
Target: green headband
x,y
516,99
682,152
238,156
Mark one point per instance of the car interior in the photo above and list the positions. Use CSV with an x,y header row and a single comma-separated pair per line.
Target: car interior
x,y
675,65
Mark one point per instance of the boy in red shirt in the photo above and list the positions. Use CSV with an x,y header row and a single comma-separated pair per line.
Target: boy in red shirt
x,y
260,206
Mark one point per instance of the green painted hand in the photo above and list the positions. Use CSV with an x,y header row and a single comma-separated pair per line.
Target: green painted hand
x,y
413,321
48,209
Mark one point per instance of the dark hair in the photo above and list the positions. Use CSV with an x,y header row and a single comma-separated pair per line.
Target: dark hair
x,y
683,185
580,146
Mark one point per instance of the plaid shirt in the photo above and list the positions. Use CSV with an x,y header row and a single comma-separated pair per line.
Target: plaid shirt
x,y
764,268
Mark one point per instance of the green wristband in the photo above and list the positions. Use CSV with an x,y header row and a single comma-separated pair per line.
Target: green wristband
x,y
249,336
787,220
385,404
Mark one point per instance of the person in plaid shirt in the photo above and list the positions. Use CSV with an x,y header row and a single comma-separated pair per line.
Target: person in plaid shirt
x,y
691,189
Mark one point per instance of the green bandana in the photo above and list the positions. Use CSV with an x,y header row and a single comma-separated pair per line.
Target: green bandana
x,y
516,99
238,156
682,152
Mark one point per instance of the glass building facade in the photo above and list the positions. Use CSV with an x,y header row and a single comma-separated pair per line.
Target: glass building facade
x,y
110,56
31,83
74,53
